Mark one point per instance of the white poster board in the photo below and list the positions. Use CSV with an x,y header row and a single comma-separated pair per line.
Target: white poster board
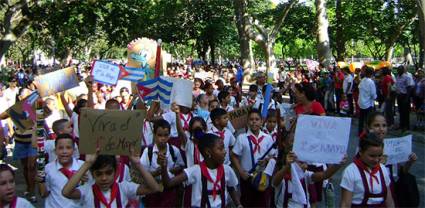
x,y
398,150
106,73
321,139
181,92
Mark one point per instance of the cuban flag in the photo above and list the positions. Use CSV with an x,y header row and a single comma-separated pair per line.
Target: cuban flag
x,y
135,74
154,89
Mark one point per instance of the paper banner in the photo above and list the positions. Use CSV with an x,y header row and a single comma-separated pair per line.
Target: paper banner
x,y
181,92
321,139
114,131
106,73
397,150
58,81
239,117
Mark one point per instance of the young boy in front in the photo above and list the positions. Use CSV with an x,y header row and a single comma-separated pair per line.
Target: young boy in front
x,y
220,121
106,192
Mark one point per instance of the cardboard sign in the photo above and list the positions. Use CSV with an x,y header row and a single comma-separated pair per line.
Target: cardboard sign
x,y
182,92
114,131
106,73
321,139
23,112
58,81
239,117
397,150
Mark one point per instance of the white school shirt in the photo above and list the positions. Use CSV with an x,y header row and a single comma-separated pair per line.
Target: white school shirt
x,y
229,125
153,165
128,191
229,141
49,148
127,176
245,102
367,93
189,149
280,191
147,139
171,118
348,79
243,150
56,180
228,108
21,203
194,175
10,95
352,181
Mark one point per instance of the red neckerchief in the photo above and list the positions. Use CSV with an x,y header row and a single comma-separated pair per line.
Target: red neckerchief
x,y
186,121
273,134
12,203
372,172
256,142
120,171
68,173
98,195
220,133
216,183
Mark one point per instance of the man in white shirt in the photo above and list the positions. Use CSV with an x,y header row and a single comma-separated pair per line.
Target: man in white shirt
x,y
347,87
11,93
367,96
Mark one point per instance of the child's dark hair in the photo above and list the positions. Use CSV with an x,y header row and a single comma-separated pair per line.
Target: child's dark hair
x,y
6,167
200,120
161,123
59,125
307,89
104,161
372,117
253,88
64,136
207,141
254,110
80,104
217,113
222,95
370,140
211,102
271,113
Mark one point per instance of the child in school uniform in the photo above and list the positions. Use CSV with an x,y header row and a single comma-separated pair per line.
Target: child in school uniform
x,y
105,191
212,181
57,173
149,160
61,126
365,182
246,152
224,98
123,171
251,99
220,120
185,116
270,126
8,198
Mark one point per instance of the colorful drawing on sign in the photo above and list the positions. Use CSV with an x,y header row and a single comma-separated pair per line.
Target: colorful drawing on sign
x,y
142,54
115,132
23,112
397,150
321,139
58,81
154,89
107,73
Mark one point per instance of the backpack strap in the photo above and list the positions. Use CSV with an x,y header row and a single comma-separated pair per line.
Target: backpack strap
x,y
172,153
250,152
204,193
223,189
150,153
254,164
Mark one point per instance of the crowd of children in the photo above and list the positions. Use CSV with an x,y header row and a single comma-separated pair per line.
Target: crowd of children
x,y
194,157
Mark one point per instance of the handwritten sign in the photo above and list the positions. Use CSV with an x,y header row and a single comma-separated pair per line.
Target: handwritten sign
x,y
58,81
398,150
321,139
239,117
106,73
114,131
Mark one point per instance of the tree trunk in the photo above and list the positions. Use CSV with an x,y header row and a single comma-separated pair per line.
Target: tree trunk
x,y
339,39
212,46
244,44
389,53
270,57
251,57
323,46
4,47
408,59
421,15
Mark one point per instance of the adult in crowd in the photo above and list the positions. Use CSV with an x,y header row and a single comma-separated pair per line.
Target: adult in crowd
x,y
386,87
347,87
367,96
403,99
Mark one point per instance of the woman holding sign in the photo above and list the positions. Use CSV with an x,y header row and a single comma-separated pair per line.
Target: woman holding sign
x,y
365,182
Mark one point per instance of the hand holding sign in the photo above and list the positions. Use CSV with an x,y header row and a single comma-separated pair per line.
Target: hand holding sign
x,y
321,139
114,132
